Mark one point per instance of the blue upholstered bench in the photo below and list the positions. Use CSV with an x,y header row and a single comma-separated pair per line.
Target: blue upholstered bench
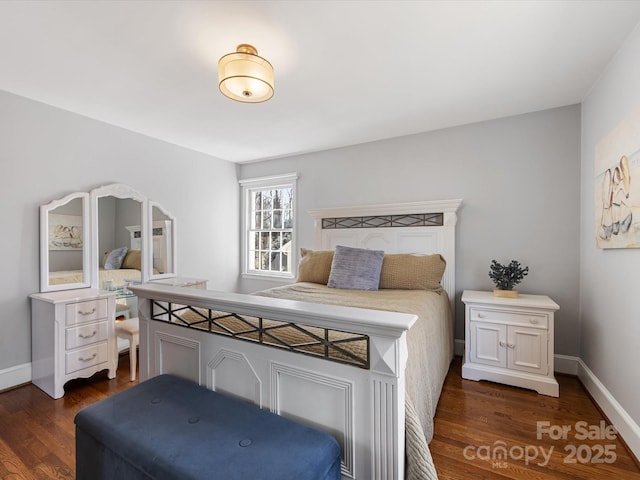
x,y
170,428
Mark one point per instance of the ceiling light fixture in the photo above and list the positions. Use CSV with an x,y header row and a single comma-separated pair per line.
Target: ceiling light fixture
x,y
244,76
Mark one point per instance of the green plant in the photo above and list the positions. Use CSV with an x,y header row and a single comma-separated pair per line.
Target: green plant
x,y
507,276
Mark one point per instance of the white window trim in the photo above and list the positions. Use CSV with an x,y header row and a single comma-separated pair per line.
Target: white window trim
x,y
246,187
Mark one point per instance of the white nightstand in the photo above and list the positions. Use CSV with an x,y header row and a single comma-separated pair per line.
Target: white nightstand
x,y
510,340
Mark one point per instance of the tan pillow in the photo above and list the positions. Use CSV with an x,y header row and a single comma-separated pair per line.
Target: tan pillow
x,y
133,259
412,272
314,266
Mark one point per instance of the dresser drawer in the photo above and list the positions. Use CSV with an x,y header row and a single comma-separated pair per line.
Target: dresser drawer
x,y
529,319
83,312
86,357
85,334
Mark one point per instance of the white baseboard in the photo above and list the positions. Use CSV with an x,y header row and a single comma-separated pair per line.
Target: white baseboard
x,y
565,364
458,347
621,420
13,376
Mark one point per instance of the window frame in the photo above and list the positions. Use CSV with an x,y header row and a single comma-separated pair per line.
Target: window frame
x,y
247,187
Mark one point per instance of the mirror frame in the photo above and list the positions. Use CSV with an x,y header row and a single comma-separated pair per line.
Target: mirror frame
x,y
149,243
45,210
122,191
90,254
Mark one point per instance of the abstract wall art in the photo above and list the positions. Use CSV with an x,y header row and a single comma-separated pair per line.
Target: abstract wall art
x,y
617,186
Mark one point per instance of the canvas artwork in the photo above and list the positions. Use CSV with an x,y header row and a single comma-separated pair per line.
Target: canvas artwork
x,y
65,232
617,186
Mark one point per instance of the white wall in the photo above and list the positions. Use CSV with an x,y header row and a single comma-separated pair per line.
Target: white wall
x,y
610,279
46,153
519,181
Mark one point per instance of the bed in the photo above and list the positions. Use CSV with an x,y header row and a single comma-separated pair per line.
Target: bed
x,y
118,277
366,367
126,269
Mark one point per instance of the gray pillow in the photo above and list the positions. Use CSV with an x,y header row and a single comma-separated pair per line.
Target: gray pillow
x,y
356,268
115,258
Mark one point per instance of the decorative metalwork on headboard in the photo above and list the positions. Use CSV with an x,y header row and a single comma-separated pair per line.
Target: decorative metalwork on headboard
x,y
385,221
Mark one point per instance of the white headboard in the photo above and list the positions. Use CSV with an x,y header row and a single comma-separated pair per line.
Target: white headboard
x,y
416,227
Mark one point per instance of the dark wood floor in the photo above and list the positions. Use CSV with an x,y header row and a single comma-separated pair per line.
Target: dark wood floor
x,y
37,433
37,438
474,419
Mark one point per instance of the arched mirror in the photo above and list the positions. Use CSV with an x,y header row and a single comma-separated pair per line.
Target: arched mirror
x,y
162,243
119,230
64,245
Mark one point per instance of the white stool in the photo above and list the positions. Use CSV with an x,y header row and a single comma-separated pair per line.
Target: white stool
x,y
129,329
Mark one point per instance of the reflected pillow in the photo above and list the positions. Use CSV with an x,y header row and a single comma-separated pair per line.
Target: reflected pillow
x,y
133,259
412,272
115,258
355,268
314,266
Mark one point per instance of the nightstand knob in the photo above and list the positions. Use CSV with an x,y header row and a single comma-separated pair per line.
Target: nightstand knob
x,y
533,320
480,315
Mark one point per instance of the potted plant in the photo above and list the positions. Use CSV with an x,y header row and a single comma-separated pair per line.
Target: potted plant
x,y
506,277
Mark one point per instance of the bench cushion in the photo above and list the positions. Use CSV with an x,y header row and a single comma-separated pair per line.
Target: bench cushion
x,y
170,428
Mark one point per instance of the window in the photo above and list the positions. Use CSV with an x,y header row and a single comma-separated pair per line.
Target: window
x,y
269,213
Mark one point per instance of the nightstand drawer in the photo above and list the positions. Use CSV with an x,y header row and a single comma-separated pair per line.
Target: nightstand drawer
x,y
85,335
86,357
86,311
535,320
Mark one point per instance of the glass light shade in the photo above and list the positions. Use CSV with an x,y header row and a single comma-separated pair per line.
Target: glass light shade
x,y
244,76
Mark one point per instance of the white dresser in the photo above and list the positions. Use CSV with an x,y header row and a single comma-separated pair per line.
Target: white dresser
x,y
72,336
510,340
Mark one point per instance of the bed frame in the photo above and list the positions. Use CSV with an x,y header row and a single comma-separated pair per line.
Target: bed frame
x,y
360,402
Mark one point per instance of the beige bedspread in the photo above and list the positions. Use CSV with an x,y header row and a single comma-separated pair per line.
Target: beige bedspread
x,y
430,343
118,277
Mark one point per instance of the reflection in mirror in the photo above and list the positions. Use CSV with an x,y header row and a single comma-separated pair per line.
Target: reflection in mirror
x,y
162,242
119,257
83,238
119,242
64,251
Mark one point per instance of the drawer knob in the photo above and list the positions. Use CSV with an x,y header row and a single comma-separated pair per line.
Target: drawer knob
x,y
92,311
88,336
511,345
88,359
480,315
533,320
502,344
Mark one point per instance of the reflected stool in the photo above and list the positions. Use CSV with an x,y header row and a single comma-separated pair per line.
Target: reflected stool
x,y
129,329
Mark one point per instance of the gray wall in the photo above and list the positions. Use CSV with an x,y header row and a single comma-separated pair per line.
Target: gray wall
x,y
114,215
519,179
46,153
609,279
128,214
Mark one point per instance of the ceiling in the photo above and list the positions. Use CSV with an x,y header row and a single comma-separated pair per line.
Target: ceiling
x,y
347,72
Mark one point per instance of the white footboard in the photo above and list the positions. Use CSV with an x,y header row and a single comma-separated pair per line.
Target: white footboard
x,y
360,402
